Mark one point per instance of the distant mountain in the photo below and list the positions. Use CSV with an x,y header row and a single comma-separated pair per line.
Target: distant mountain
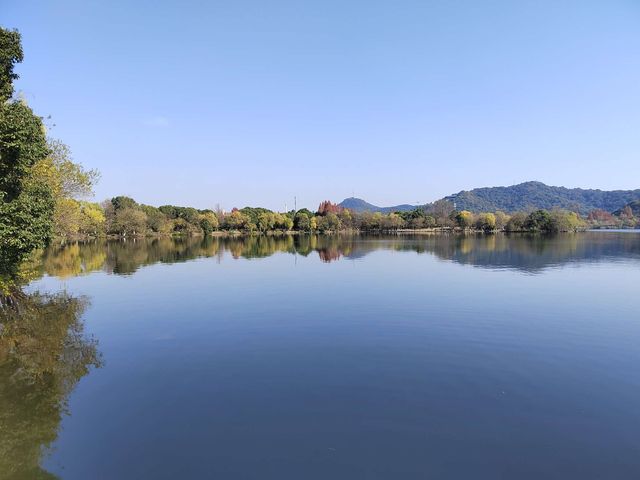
x,y
635,208
359,205
533,195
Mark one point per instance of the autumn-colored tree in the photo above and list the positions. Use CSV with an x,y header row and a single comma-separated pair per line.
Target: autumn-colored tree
x,y
516,222
501,220
602,218
327,207
464,219
236,220
208,222
486,221
393,221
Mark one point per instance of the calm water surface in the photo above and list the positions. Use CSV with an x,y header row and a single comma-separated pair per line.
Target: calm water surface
x,y
441,357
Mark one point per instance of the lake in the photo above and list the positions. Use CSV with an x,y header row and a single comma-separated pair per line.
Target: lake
x,y
337,357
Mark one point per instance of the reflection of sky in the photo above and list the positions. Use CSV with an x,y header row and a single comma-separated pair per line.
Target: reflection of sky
x,y
250,358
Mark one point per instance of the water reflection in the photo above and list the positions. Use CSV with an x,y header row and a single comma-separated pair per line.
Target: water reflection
x,y
43,355
522,252
44,351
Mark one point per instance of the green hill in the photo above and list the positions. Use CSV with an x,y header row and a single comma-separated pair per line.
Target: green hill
x,y
359,205
535,195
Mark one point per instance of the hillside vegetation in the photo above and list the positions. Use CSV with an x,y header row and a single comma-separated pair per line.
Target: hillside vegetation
x,y
536,195
358,205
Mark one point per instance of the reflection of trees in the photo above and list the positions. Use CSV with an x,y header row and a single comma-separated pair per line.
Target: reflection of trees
x,y
43,354
535,252
524,252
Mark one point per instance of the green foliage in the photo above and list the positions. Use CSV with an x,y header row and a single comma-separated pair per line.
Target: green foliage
x,y
266,221
208,222
253,214
392,222
486,222
236,220
92,219
306,212
22,144
25,224
517,222
564,221
328,222
120,203
10,54
157,222
536,195
538,221
68,182
302,221
129,222
188,214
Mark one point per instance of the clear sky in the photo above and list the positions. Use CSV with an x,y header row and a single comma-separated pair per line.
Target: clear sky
x,y
250,102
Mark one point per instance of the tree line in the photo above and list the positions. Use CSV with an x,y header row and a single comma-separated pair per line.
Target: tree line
x,y
124,217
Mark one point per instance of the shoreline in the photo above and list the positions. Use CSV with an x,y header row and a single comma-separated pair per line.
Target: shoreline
x,y
279,233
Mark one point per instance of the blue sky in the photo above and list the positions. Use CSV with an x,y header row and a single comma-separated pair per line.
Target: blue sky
x,y
252,103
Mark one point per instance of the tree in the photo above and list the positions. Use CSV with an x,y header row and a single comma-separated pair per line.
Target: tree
x,y
92,219
538,221
564,221
67,178
236,220
266,221
208,222
417,223
392,221
327,207
25,225
121,202
67,217
464,219
517,222
157,222
302,222
486,222
26,203
68,182
346,219
441,210
430,221
329,223
10,54
601,217
281,222
501,220
129,222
